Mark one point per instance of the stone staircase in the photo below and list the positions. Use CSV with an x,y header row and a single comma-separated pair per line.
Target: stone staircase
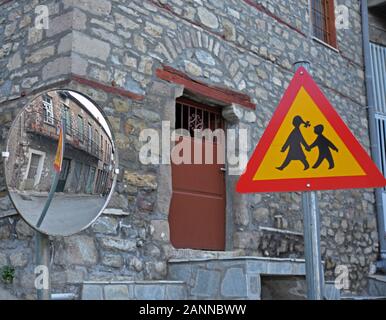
x,y
214,277
225,278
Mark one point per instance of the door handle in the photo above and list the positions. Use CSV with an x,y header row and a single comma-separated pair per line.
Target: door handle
x,y
223,169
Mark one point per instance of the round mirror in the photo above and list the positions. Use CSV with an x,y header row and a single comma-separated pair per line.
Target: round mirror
x,y
61,162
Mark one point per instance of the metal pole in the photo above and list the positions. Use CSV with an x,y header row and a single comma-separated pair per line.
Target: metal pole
x,y
42,256
311,225
314,268
55,179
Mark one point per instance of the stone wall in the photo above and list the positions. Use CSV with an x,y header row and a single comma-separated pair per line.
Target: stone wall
x,y
246,46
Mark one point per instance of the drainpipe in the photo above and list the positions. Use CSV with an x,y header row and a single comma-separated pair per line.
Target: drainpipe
x,y
381,264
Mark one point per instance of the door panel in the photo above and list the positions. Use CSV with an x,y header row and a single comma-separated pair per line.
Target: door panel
x,y
197,210
201,223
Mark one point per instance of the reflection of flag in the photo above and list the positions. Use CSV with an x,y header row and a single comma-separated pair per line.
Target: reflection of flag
x,y
59,152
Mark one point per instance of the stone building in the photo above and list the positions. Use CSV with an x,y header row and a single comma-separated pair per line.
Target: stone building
x,y
140,61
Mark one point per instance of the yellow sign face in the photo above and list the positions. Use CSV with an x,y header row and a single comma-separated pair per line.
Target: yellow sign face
x,y
307,146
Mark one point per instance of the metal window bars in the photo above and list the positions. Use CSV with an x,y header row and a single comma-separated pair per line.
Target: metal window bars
x,y
321,20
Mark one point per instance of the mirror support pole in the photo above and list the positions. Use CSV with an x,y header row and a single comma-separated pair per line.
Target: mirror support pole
x,y
55,178
42,270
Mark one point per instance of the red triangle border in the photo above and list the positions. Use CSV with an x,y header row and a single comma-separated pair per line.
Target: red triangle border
x,y
302,78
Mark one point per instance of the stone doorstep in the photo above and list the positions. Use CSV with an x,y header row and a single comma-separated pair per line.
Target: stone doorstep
x,y
378,277
377,285
134,290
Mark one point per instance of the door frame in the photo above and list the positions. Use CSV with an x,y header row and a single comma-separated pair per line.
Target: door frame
x,y
40,165
233,114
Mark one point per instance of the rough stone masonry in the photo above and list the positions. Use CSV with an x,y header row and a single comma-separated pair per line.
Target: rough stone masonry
x,y
111,50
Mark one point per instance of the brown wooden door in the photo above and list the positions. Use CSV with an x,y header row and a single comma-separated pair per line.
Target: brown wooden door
x,y
197,212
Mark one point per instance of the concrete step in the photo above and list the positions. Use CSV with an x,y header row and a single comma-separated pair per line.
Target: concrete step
x,y
224,278
134,290
377,285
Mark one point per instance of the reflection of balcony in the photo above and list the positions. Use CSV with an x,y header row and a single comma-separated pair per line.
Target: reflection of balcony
x,y
376,3
37,123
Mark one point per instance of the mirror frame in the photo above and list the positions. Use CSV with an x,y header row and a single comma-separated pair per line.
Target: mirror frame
x,y
116,159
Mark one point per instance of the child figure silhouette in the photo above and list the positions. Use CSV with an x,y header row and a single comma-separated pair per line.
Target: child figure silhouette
x,y
324,145
295,142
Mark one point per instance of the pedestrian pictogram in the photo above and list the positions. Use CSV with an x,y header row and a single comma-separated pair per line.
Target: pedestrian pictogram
x,y
307,146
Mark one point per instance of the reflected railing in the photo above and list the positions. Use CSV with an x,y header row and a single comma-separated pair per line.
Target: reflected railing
x,y
40,123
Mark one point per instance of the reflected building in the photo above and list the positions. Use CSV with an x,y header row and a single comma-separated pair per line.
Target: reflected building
x,y
89,151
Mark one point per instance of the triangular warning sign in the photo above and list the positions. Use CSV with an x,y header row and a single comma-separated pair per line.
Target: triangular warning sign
x,y
307,146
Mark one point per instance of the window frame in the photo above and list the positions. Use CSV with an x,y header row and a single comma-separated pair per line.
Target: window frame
x,y
39,171
80,128
48,110
68,117
328,21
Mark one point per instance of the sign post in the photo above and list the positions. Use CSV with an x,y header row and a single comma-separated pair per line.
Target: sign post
x,y
311,227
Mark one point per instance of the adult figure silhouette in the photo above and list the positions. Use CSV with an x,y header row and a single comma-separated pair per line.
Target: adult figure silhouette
x,y
294,143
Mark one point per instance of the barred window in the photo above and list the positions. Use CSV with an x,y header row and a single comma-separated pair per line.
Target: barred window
x,y
48,110
323,21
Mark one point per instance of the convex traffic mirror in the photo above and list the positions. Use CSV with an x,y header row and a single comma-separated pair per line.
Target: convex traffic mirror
x,y
61,163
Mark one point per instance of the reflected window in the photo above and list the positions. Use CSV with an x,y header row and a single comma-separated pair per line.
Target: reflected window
x,y
101,147
48,110
67,114
96,151
80,128
89,136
